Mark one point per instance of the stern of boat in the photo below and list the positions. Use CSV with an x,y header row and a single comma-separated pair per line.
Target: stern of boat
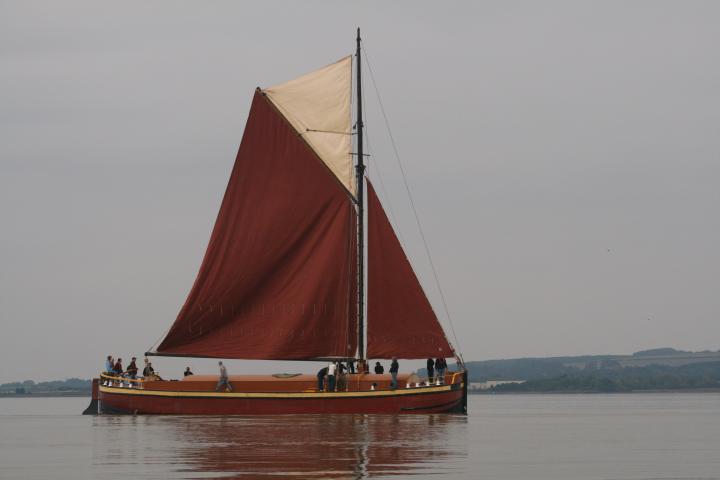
x,y
462,406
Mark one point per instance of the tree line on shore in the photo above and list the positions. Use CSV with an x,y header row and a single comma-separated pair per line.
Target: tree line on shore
x,y
694,376
29,387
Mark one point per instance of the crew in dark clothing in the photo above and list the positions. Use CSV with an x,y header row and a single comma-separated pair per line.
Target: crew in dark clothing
x,y
132,369
394,368
321,378
341,376
148,370
440,366
351,366
430,370
118,370
187,372
379,368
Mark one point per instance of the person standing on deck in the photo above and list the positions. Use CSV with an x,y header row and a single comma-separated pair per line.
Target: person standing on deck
x,y
341,378
394,368
132,369
223,381
109,365
430,370
440,366
187,372
117,369
379,368
321,378
148,370
331,368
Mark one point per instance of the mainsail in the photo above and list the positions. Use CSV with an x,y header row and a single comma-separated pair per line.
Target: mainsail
x,y
278,280
401,321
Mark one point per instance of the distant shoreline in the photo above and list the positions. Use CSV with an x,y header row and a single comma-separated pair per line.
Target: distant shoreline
x,y
591,392
46,395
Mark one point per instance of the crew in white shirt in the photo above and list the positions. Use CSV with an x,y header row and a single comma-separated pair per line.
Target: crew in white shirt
x,y
331,376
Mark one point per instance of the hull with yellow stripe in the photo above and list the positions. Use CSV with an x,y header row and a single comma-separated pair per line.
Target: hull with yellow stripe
x,y
165,397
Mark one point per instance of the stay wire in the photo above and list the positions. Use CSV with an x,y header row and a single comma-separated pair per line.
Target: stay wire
x,y
155,344
412,203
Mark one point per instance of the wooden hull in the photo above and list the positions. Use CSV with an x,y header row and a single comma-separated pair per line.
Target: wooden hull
x,y
428,399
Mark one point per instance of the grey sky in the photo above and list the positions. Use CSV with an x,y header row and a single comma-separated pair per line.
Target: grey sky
x,y
564,156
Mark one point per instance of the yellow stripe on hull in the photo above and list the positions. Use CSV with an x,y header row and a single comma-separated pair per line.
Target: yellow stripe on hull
x,y
375,393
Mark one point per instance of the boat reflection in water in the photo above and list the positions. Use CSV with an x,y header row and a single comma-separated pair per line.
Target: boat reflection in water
x,y
308,446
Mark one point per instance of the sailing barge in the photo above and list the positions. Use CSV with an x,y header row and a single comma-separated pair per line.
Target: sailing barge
x,y
283,277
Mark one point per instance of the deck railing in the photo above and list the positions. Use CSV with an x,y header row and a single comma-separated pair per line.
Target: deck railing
x,y
121,381
114,380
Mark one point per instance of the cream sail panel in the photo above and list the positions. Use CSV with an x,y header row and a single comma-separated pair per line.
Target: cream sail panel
x,y
317,105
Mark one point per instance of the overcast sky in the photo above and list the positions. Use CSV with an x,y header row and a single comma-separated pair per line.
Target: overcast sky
x,y
564,158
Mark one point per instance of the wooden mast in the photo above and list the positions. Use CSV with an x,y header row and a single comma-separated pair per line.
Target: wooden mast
x,y
360,173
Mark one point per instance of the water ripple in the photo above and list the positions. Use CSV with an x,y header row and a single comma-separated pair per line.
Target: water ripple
x,y
303,446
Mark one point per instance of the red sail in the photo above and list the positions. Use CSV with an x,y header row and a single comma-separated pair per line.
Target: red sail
x,y
401,321
278,277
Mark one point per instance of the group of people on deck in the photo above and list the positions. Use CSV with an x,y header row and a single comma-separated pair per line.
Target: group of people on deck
x,y
327,377
438,365
114,367
330,378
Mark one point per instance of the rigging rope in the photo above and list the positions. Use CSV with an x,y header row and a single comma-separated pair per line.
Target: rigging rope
x,y
152,347
412,204
376,166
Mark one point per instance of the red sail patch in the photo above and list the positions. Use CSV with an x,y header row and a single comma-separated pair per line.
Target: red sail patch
x,y
401,321
278,280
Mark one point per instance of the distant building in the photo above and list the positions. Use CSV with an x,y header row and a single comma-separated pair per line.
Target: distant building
x,y
491,383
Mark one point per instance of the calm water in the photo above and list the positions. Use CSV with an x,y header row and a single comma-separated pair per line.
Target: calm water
x,y
651,436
